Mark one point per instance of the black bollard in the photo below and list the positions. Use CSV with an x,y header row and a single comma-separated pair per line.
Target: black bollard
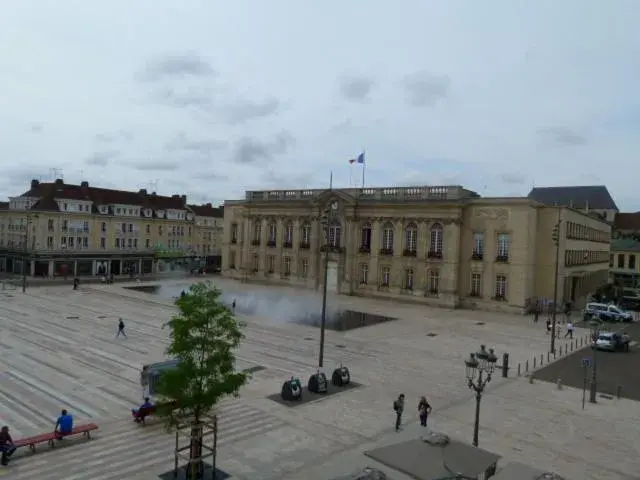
x,y
505,365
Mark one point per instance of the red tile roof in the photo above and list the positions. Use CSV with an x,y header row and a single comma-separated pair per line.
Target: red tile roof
x,y
627,221
4,205
207,210
47,192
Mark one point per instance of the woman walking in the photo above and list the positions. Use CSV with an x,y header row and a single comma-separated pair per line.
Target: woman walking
x,y
424,409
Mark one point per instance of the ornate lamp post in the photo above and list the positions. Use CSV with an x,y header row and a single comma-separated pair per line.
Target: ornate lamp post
x,y
479,368
327,220
595,331
555,235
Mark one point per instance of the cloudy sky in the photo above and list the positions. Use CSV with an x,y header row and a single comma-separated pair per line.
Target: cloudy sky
x,y
212,98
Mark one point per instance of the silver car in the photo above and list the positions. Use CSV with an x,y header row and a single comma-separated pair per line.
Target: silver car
x,y
612,342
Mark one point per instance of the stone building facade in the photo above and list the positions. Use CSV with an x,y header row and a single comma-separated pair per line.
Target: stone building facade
x,y
442,246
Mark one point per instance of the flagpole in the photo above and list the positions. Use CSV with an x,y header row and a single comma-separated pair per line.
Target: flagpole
x,y
364,167
350,175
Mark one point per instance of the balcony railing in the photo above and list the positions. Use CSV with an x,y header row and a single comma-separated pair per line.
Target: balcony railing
x,y
365,249
386,251
477,256
332,248
502,258
409,253
434,254
305,245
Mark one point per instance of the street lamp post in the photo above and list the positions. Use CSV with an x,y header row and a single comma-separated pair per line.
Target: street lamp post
x,y
595,330
479,368
556,240
327,220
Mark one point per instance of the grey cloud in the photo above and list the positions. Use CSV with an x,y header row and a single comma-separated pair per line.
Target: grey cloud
x,y
190,98
36,127
119,135
562,136
101,159
277,180
209,176
356,89
176,65
182,143
513,178
246,110
157,166
423,89
249,151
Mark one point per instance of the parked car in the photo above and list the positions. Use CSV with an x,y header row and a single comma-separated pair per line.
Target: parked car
x,y
612,342
606,313
629,303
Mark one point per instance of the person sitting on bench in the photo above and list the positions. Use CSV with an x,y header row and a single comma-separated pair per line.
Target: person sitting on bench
x,y
145,406
64,424
6,445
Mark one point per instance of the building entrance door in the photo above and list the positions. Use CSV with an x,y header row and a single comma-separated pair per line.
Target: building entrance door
x,y
332,277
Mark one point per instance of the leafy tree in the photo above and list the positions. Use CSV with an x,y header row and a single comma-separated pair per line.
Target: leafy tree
x,y
204,336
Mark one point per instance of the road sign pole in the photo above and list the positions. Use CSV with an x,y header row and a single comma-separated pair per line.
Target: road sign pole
x,y
584,386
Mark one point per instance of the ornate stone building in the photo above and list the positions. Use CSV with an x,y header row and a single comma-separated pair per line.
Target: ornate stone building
x,y
438,245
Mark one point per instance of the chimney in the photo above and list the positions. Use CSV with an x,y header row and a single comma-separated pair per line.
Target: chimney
x,y
143,192
84,184
209,205
184,199
175,195
59,182
35,183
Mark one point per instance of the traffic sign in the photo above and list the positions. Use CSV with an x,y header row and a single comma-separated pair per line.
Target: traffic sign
x,y
586,362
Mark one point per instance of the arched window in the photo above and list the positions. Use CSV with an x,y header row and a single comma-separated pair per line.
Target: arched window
x,y
411,239
305,235
273,234
435,241
334,234
434,281
408,279
387,238
288,235
257,232
365,240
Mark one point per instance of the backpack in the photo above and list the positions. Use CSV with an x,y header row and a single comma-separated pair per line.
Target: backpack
x,y
395,406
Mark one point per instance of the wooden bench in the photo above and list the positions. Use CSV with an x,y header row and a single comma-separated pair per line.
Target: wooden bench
x,y
51,437
140,414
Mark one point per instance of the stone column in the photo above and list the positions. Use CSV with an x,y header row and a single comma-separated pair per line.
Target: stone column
x,y
51,269
278,267
351,254
296,238
32,268
397,269
139,272
262,252
451,260
75,268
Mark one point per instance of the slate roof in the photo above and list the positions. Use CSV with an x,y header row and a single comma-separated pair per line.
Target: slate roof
x,y
4,205
594,196
627,221
48,192
207,210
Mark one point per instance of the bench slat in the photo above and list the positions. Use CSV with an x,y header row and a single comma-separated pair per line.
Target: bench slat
x,y
47,437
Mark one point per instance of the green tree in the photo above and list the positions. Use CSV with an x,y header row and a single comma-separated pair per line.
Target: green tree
x,y
204,336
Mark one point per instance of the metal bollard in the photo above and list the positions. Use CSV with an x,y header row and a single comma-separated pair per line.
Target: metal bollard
x,y
531,378
571,345
541,359
526,366
519,369
534,363
548,357
554,354
559,384
560,350
619,391
505,365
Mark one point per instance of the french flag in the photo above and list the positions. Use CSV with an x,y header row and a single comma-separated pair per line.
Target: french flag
x,y
359,159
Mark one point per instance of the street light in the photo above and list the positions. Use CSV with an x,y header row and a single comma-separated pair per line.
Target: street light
x,y
479,368
555,235
595,331
326,219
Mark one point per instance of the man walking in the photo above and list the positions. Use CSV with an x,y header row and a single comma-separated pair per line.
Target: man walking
x,y
6,445
569,330
398,407
121,328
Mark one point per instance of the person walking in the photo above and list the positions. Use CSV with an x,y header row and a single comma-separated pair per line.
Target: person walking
x,y
398,407
6,445
424,409
121,328
569,330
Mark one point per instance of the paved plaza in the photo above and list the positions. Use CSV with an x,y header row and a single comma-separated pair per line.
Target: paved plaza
x,y
59,351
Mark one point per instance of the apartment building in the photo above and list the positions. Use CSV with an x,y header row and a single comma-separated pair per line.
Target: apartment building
x,y
439,245
62,229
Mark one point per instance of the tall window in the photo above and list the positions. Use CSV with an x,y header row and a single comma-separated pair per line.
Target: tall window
x,y
257,231
304,267
232,259
273,233
476,284
501,287
632,262
434,281
387,237
385,276
502,247
234,232
305,234
408,279
286,266
365,241
621,260
255,263
271,263
288,234
436,240
364,273
334,235
411,238
478,245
